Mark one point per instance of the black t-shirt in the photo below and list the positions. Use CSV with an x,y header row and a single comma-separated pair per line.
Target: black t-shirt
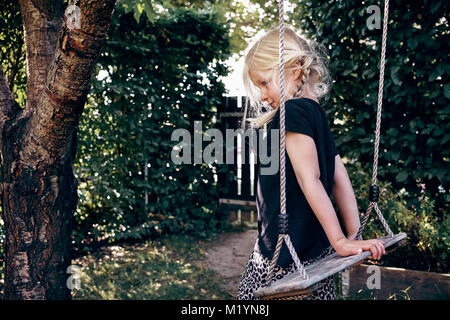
x,y
304,116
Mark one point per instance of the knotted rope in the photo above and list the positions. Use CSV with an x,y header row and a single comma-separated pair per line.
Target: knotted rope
x,y
374,189
283,216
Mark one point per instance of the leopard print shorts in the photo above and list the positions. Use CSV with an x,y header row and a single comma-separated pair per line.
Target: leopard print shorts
x,y
256,273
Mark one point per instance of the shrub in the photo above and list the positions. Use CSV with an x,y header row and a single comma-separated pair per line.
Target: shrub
x,y
160,77
416,109
427,244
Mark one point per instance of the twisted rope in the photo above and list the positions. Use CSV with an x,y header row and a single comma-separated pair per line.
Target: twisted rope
x,y
275,257
378,129
300,268
284,237
282,115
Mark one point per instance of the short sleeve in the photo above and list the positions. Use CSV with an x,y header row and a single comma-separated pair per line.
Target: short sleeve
x,y
297,119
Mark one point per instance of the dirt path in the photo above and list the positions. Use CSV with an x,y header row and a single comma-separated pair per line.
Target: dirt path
x,y
229,254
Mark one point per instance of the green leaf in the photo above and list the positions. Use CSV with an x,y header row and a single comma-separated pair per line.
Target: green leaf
x,y
401,176
347,72
412,43
447,90
149,11
140,8
435,6
347,138
137,14
435,73
395,155
395,75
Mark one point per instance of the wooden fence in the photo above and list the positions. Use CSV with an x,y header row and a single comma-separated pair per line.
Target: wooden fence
x,y
237,181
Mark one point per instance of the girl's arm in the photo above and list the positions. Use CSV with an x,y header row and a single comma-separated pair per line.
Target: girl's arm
x,y
302,153
345,199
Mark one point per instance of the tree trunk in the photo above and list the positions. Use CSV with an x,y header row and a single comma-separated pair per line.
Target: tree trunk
x,y
39,142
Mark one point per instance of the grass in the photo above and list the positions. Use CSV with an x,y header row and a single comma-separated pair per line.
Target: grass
x,y
366,294
172,268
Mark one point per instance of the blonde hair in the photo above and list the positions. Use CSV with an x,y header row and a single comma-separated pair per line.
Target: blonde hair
x,y
264,55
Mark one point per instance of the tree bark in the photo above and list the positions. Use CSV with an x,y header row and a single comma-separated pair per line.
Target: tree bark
x,y
38,144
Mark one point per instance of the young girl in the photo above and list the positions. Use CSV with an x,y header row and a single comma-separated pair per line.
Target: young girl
x,y
314,169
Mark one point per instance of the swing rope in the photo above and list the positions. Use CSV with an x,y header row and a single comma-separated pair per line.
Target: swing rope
x,y
283,216
374,190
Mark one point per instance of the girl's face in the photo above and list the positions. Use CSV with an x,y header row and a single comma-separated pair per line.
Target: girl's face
x,y
265,81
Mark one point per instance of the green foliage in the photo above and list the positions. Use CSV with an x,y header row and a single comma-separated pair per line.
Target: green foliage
x,y
153,79
427,244
415,123
243,22
2,255
367,294
137,7
12,50
169,269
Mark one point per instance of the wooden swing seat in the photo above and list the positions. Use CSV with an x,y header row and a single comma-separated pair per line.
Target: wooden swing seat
x,y
318,271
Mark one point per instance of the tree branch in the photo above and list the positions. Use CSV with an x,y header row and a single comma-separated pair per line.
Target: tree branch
x,y
42,21
48,134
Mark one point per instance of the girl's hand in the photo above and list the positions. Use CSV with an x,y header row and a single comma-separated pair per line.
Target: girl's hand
x,y
345,247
